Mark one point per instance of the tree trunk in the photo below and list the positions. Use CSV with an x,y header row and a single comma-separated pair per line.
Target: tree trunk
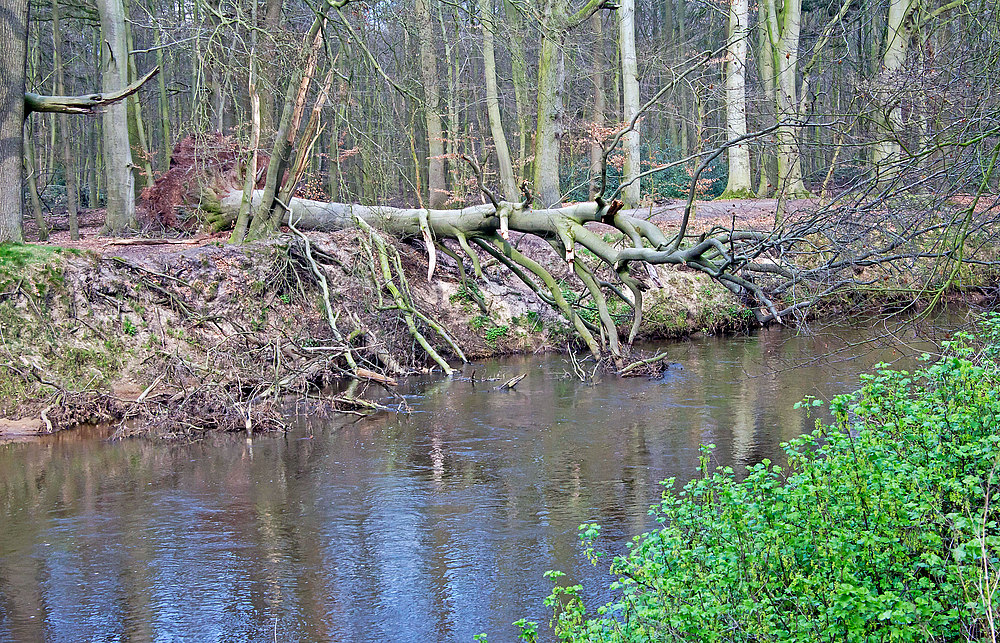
x,y
32,171
272,23
487,226
69,162
250,171
266,216
13,63
888,111
667,30
166,138
630,100
437,192
519,76
452,138
783,32
120,182
508,185
765,68
551,84
736,100
140,146
600,106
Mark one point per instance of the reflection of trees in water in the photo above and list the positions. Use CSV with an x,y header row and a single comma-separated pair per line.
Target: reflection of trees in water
x,y
454,510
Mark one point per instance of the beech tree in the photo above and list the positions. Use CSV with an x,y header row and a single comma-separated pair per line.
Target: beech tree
x,y
438,193
117,150
556,21
18,104
13,59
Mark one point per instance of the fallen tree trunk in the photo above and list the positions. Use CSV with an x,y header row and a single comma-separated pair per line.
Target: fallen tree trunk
x,y
488,227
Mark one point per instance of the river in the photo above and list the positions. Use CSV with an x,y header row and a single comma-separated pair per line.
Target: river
x,y
431,526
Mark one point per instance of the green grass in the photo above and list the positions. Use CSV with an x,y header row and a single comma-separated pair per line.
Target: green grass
x,y
15,256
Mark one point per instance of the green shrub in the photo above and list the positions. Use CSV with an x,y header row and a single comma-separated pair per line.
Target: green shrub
x,y
495,333
882,527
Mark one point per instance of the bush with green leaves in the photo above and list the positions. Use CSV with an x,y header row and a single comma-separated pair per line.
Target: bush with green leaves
x,y
881,527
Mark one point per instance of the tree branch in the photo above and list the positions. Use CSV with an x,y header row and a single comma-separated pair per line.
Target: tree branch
x,y
86,104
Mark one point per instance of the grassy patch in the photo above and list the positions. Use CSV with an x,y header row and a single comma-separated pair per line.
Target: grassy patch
x,y
14,256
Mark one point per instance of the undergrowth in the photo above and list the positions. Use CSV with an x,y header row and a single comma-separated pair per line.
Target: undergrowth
x,y
882,526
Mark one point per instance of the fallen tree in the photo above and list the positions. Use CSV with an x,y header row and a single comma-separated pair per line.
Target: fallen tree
x,y
897,244
487,228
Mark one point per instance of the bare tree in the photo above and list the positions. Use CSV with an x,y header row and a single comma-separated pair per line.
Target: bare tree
x,y
13,59
120,179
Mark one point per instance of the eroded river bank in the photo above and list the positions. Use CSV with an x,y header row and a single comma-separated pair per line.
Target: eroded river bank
x,y
431,526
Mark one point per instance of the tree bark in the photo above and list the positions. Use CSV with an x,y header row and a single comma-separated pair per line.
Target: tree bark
x,y
437,192
519,76
250,171
783,32
630,100
272,23
13,62
32,170
549,129
120,181
508,184
488,226
69,162
600,106
166,138
453,137
266,215
736,99
888,111
140,146
765,68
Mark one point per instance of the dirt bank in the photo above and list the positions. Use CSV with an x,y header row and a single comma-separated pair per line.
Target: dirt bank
x,y
175,339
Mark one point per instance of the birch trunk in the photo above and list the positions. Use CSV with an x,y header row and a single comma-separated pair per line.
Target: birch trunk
x,y
736,100
630,100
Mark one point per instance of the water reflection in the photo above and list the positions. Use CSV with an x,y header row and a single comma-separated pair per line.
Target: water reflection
x,y
430,527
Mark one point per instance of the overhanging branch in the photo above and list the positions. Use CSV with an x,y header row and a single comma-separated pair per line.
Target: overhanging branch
x,y
85,104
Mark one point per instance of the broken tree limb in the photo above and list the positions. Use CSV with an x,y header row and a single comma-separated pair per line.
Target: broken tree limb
x,y
85,104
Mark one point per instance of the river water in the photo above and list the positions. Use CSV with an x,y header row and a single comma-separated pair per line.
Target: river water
x,y
432,526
